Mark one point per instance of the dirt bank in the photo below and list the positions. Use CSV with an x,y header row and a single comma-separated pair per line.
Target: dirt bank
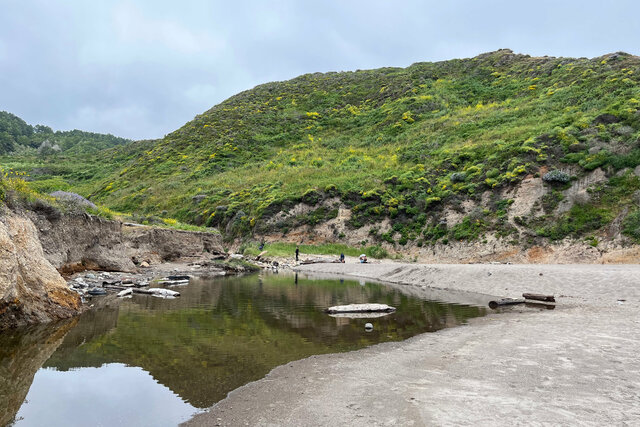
x,y
84,242
574,365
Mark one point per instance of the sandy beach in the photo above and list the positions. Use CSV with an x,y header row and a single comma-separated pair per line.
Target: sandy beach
x,y
576,365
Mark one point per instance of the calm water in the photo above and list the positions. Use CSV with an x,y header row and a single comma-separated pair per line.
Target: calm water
x,y
151,361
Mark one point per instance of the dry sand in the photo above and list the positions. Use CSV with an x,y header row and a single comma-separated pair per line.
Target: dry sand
x,y
576,365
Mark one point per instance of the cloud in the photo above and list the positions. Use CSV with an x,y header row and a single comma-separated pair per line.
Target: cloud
x,y
201,92
4,53
130,119
132,26
142,69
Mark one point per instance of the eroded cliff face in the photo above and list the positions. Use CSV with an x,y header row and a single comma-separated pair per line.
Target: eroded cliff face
x,y
31,289
84,242
518,242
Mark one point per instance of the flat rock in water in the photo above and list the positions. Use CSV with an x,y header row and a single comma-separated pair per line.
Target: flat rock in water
x,y
125,292
361,308
163,292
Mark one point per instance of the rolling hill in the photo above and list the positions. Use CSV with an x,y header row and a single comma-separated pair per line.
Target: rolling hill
x,y
501,146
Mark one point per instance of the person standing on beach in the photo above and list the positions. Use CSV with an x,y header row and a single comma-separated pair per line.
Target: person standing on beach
x,y
297,252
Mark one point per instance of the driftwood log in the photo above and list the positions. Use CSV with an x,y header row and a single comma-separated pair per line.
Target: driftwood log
x,y
539,297
505,301
314,261
115,287
540,305
179,277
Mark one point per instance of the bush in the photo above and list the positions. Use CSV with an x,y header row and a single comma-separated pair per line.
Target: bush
x,y
311,197
376,252
579,220
556,176
435,232
458,177
468,229
331,190
631,225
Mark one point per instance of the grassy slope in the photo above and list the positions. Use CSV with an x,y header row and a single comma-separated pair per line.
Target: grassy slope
x,y
391,142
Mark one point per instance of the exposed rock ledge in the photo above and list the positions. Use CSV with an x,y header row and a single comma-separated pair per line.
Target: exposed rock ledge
x,y
31,289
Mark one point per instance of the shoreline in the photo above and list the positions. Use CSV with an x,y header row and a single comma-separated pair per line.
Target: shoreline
x,y
576,364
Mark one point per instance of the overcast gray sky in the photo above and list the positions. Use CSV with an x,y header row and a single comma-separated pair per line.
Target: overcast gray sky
x,y
142,68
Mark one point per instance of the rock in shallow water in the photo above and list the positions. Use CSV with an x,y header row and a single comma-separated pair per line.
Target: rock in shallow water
x,y
360,308
163,292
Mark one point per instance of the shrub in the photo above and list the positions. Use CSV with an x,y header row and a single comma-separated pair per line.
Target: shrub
x,y
631,225
580,219
556,176
435,232
311,197
458,177
376,252
468,229
331,190
493,173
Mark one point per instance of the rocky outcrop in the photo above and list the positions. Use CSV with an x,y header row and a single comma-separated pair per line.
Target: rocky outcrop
x,y
31,289
84,242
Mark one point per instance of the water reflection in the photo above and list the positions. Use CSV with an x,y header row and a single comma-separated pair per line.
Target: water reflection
x,y
222,334
22,353
113,395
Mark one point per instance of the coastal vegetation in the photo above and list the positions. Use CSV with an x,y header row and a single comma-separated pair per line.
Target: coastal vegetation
x,y
407,145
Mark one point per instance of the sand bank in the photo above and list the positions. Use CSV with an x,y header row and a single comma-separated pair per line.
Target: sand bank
x,y
577,364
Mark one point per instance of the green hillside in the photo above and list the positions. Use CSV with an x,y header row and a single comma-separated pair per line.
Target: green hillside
x,y
398,143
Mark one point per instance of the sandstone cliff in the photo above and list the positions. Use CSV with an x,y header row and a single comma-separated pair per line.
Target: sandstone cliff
x,y
31,289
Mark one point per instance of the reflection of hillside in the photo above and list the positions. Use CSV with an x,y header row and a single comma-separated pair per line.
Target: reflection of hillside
x,y
413,314
91,324
220,335
22,353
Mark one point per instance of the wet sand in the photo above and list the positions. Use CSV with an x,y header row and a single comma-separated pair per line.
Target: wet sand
x,y
576,365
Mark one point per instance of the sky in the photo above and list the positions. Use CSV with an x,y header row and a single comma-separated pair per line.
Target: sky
x,y
142,68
